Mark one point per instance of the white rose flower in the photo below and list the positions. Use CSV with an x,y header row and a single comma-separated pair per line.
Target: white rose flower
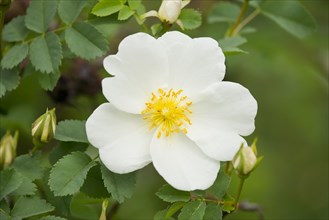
x,y
169,106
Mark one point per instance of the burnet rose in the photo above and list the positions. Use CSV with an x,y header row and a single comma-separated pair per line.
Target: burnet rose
x,y
169,106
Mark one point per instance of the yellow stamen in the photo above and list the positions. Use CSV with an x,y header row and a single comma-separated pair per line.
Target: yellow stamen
x,y
168,111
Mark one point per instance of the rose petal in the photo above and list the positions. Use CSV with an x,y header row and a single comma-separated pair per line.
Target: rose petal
x,y
182,164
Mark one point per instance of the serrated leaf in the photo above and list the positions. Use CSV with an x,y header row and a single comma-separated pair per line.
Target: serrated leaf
x,y
10,180
46,53
193,210
48,81
14,56
230,45
106,8
213,212
27,187
39,14
71,130
83,207
30,206
15,30
125,13
82,33
190,18
28,166
220,186
51,217
120,186
69,10
94,184
291,15
68,174
169,194
9,80
224,12
64,148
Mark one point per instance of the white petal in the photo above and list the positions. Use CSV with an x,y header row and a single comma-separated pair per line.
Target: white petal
x,y
128,153
226,107
220,146
140,68
194,64
107,124
182,164
123,139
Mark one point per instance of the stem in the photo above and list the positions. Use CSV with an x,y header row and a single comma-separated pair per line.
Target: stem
x,y
238,20
228,168
247,20
242,179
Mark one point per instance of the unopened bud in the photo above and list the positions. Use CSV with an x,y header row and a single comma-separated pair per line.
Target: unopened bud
x,y
43,129
245,161
8,145
170,10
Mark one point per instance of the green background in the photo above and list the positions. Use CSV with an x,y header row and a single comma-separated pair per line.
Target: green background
x,y
289,79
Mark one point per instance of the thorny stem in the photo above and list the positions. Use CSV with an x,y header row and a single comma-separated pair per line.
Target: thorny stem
x,y
244,7
242,179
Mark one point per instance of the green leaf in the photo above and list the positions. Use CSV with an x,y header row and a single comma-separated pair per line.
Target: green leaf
x,y
30,206
46,53
15,30
29,166
39,14
156,28
174,208
105,7
230,45
82,33
213,212
83,207
219,188
14,56
135,4
51,217
291,15
169,194
125,13
2,89
27,187
224,12
193,210
69,10
10,180
64,148
94,184
48,81
161,215
9,80
71,130
190,18
69,173
120,186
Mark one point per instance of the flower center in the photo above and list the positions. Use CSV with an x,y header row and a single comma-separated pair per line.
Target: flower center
x,y
168,111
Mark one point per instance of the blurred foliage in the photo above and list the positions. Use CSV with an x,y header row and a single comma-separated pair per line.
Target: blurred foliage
x,y
287,76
